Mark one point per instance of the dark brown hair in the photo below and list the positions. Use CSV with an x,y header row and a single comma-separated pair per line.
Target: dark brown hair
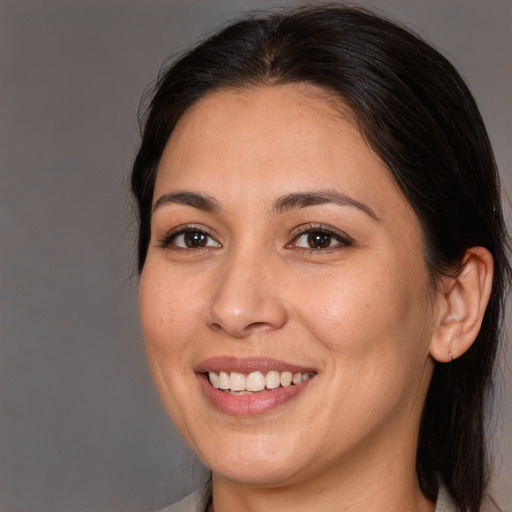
x,y
418,115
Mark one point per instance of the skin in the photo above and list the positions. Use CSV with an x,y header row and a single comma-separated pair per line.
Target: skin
x,y
362,313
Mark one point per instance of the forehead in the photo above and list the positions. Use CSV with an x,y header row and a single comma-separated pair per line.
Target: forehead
x,y
298,101
290,130
274,106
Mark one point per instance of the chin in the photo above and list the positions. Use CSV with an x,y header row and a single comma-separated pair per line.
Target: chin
x,y
256,472
257,461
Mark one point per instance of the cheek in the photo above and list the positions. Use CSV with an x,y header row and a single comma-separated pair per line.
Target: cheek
x,y
378,310
167,320
169,310
375,329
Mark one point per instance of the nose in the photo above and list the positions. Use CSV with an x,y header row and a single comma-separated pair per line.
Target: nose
x,y
247,298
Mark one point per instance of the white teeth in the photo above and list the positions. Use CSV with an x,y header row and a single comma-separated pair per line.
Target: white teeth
x,y
286,379
273,380
223,380
214,379
255,381
237,381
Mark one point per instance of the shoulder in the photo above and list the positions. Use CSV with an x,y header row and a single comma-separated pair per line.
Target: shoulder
x,y
196,502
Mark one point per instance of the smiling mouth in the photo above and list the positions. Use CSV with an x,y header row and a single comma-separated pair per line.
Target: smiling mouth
x,y
236,383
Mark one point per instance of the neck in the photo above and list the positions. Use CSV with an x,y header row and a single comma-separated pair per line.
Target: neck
x,y
376,476
325,497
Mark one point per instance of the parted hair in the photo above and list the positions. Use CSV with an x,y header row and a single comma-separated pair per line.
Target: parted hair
x,y
417,114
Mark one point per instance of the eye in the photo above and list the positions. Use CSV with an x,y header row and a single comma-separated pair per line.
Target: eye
x,y
189,238
318,238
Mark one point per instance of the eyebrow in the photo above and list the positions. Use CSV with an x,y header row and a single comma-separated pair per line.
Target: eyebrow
x,y
304,199
199,201
295,200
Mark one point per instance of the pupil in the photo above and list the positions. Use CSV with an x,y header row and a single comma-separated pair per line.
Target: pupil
x,y
319,240
195,239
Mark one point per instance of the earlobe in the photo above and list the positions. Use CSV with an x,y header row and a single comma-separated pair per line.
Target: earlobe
x,y
461,305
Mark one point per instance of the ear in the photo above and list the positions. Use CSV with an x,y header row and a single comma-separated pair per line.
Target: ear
x,y
461,305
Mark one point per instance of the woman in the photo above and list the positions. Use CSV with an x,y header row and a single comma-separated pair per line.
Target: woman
x,y
323,265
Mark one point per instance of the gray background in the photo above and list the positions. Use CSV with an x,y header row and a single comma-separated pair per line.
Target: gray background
x,y
81,427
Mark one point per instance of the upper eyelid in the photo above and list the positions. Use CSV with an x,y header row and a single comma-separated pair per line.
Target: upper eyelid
x,y
182,228
167,237
307,228
343,240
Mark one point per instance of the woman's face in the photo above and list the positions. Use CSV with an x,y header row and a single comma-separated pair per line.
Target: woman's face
x,y
281,250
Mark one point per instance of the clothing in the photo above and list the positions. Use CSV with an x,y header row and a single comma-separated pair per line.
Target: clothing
x,y
199,500
195,502
444,501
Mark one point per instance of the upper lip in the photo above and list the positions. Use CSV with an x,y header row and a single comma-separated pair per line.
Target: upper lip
x,y
248,365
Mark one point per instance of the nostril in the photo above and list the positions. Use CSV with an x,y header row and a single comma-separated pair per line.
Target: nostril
x,y
258,325
216,327
253,326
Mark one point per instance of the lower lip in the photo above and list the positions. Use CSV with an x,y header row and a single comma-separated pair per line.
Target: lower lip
x,y
249,405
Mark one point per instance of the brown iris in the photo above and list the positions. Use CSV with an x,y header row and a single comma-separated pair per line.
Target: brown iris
x,y
194,239
319,240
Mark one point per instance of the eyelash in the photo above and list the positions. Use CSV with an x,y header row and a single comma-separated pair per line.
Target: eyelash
x,y
168,241
311,229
